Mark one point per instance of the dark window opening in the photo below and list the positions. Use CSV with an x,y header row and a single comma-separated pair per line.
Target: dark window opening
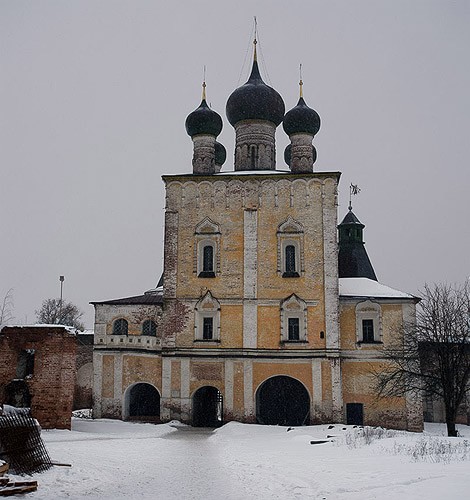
x,y
368,330
290,263
253,157
149,327
25,366
207,262
207,328
120,327
293,329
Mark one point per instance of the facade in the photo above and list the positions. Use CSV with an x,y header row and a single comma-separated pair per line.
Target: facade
x,y
255,319
37,371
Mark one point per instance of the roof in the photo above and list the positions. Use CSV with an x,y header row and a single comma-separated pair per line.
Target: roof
x,y
353,261
350,218
154,297
365,287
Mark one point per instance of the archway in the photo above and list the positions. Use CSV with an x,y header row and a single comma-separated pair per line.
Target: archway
x,y
143,402
207,407
17,394
282,400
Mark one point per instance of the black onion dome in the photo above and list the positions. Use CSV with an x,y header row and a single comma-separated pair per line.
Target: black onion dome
x,y
288,154
255,101
203,120
301,118
220,153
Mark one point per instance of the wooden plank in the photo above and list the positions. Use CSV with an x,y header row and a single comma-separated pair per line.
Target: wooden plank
x,y
6,492
4,468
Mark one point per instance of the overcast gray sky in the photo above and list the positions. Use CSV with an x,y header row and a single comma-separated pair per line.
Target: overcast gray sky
x,y
94,95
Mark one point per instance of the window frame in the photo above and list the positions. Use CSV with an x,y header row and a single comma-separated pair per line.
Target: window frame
x,y
290,234
207,233
208,307
369,311
153,327
293,308
120,321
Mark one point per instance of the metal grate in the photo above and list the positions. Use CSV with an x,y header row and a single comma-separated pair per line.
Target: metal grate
x,y
21,445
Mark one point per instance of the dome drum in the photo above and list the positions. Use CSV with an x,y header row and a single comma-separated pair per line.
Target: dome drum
x,y
204,154
302,154
255,147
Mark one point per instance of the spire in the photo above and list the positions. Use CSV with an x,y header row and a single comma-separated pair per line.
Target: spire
x,y
204,85
255,42
301,93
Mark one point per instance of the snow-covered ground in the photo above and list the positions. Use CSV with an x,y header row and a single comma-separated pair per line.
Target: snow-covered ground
x,y
113,459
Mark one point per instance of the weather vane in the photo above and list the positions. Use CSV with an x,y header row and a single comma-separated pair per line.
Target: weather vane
x,y
353,190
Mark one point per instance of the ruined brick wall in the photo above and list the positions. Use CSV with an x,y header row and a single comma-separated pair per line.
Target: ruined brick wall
x,y
51,385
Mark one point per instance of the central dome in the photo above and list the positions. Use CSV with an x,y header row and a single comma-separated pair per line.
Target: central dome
x,y
255,101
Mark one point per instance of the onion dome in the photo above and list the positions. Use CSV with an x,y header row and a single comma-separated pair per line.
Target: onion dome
x,y
220,154
301,119
203,120
255,101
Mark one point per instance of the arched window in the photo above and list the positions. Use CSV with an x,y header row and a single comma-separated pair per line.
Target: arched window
x,y
208,259
290,260
120,327
149,327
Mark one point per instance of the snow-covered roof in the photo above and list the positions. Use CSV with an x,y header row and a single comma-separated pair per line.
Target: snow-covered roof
x,y
365,287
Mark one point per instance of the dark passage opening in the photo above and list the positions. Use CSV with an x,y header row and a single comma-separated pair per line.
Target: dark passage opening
x,y
17,394
207,407
144,402
282,400
355,413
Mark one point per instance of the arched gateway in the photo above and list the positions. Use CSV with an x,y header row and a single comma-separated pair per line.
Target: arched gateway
x,y
282,400
207,407
142,403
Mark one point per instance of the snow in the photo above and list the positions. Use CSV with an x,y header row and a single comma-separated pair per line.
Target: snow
x,y
365,287
113,459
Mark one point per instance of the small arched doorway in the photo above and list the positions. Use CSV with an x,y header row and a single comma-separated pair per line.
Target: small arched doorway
x,y
143,403
207,407
17,394
282,400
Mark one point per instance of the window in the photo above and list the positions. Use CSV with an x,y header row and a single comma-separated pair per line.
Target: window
x,y
207,319
293,319
120,327
290,264
294,328
207,328
290,237
149,327
206,249
207,262
368,330
25,366
368,322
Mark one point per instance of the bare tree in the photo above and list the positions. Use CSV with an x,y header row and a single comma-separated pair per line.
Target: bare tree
x,y
433,355
59,312
6,308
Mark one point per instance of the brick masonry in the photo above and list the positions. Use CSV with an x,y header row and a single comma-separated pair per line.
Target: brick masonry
x,y
51,385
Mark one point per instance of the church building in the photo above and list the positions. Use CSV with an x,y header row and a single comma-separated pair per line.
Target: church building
x,y
267,311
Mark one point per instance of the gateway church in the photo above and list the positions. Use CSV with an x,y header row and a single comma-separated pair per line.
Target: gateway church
x,y
267,311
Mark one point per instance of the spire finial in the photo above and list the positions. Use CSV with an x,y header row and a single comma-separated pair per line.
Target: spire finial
x,y
255,41
204,85
301,82
353,190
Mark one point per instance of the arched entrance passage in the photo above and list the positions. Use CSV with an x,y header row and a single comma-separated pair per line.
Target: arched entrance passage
x,y
282,400
17,394
207,407
143,402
